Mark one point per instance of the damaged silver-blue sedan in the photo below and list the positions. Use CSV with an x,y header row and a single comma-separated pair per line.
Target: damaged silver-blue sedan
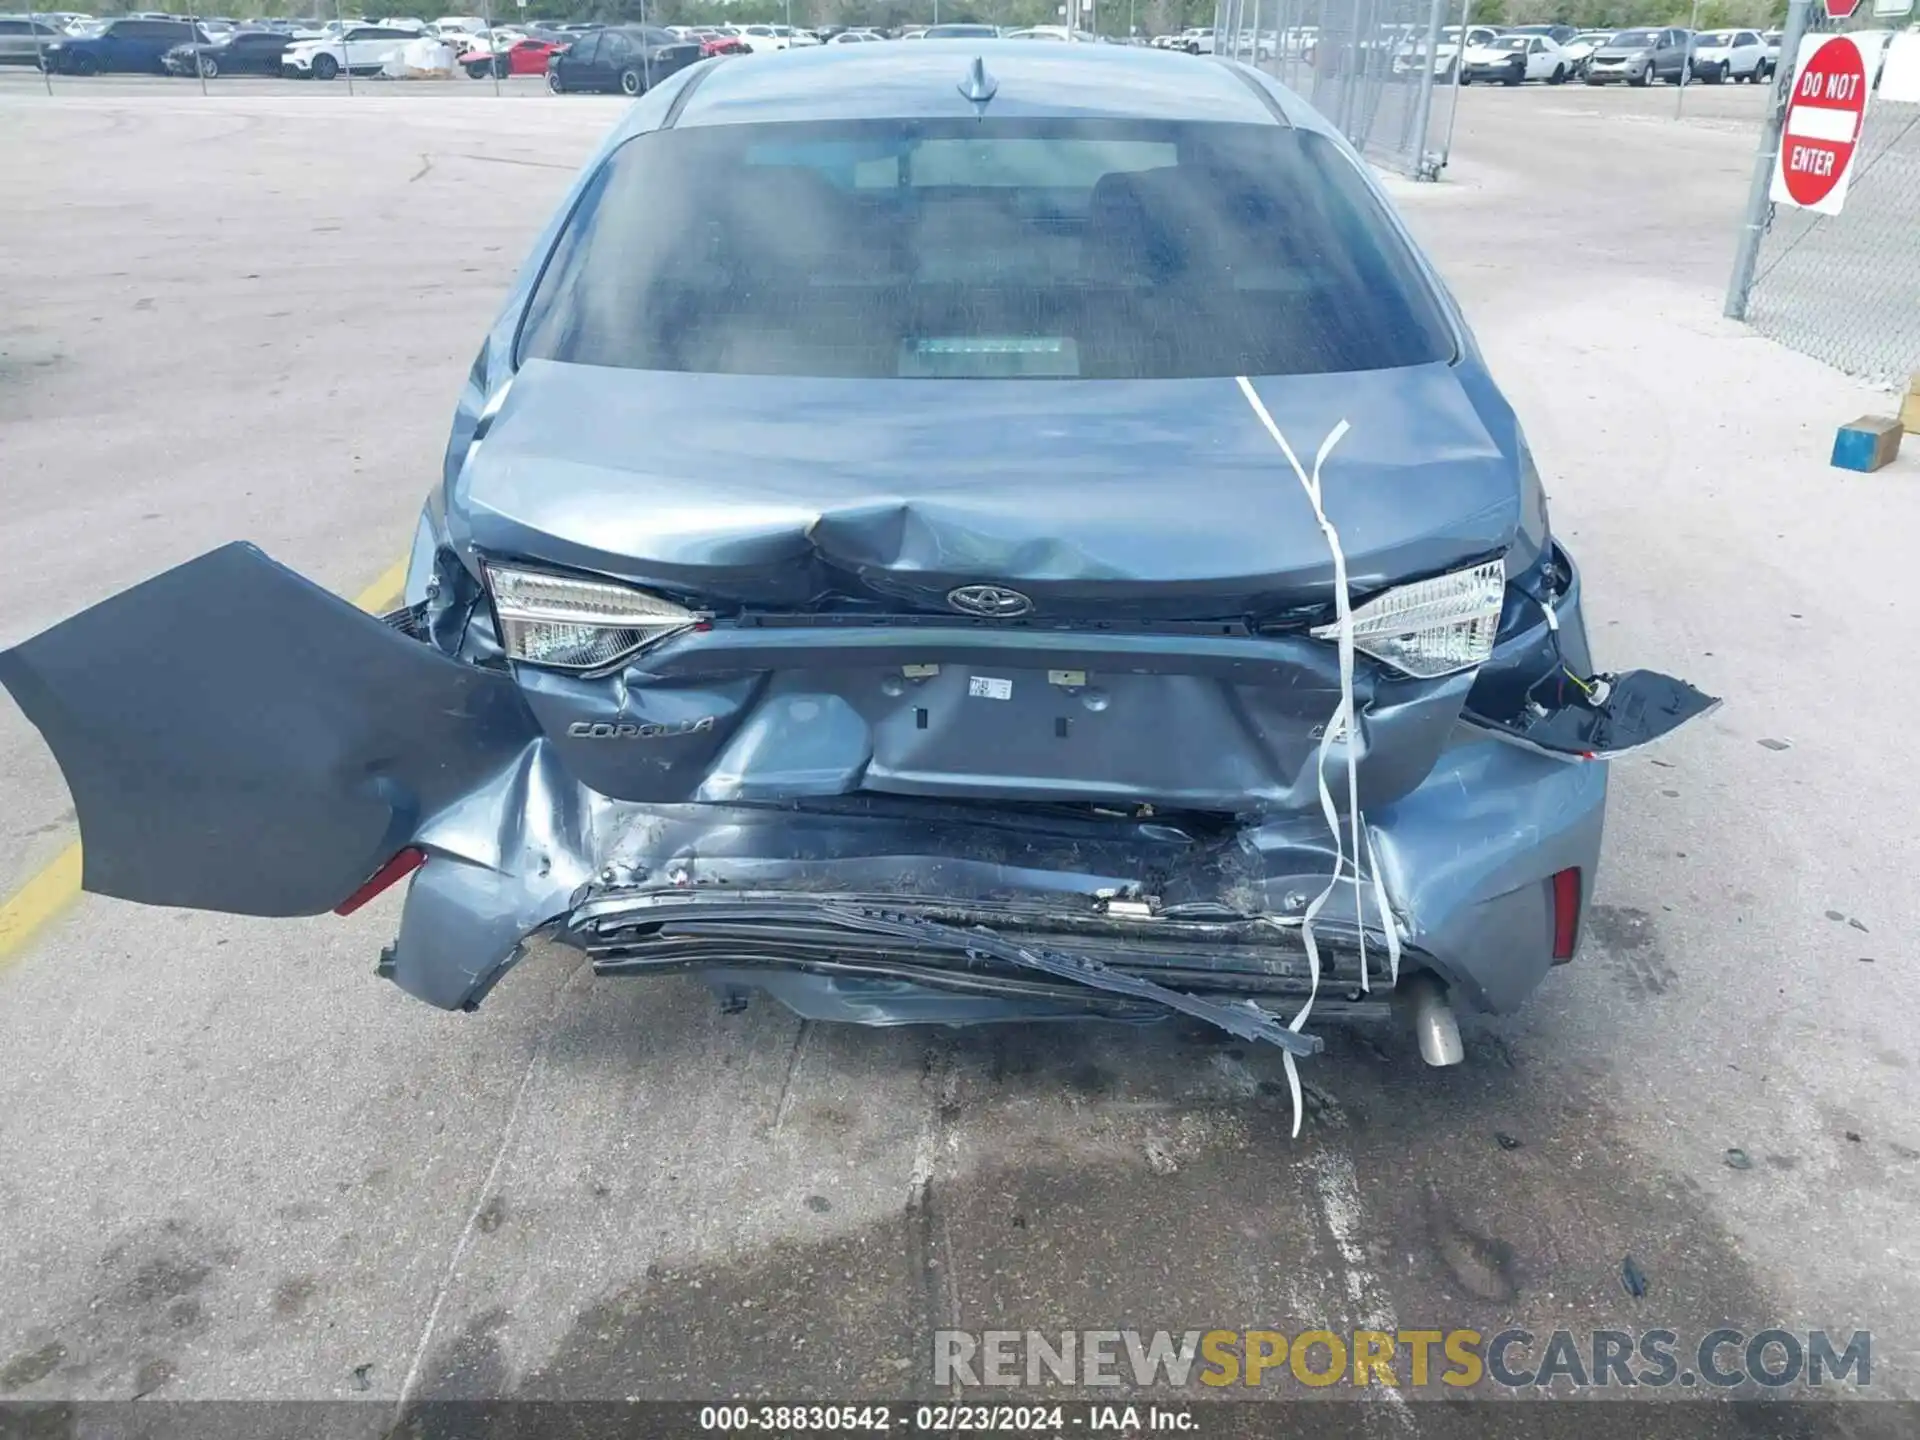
x,y
939,533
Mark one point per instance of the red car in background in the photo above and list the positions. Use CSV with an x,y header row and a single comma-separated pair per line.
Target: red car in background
x,y
712,43
523,57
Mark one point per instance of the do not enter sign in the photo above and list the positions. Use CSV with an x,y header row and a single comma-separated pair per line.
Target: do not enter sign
x,y
1822,129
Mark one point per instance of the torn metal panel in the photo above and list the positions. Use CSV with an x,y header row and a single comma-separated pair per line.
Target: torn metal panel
x,y
236,738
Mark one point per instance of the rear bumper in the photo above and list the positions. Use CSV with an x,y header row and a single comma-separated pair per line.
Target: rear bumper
x,y
1466,835
1212,909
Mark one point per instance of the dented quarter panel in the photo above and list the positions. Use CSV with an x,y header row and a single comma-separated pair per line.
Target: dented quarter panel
x,y
1466,858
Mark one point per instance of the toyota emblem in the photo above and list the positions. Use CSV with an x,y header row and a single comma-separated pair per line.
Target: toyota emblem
x,y
995,602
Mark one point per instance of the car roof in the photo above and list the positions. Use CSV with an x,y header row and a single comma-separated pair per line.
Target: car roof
x,y
886,82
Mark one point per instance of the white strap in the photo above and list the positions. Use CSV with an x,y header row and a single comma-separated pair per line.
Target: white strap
x,y
1343,724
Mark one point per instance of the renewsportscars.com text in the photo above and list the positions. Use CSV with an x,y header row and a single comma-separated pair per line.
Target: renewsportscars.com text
x,y
1403,1359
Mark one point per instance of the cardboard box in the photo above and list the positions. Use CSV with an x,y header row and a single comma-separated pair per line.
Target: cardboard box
x,y
1910,407
1867,444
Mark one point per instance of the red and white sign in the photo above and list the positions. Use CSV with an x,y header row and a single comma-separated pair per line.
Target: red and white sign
x,y
1841,9
1824,116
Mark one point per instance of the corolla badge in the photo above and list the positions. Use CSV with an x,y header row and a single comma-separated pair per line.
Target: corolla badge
x,y
995,602
632,730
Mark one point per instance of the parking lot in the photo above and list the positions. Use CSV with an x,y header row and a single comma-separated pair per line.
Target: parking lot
x,y
237,1165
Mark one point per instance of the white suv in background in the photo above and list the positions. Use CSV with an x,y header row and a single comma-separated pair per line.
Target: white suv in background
x,y
775,37
1729,55
363,49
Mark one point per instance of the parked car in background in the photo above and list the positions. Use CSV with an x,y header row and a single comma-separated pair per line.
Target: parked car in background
x,y
1722,55
776,37
1407,59
712,42
853,37
23,37
962,32
1246,45
1640,57
128,46
362,49
1561,35
1513,59
245,52
624,59
1579,50
761,38
522,57
1770,43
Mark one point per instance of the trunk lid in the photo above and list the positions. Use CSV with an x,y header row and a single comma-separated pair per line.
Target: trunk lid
x,y
1098,500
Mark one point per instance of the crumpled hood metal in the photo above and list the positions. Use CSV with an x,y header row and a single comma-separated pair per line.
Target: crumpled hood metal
x,y
1160,496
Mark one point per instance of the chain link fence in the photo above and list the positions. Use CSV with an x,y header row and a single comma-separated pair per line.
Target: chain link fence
x,y
1845,288
1372,67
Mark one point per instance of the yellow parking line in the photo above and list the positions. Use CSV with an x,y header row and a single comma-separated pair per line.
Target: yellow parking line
x,y
384,593
41,899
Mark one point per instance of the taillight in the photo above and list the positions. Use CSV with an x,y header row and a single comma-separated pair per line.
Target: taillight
x,y
1566,914
387,876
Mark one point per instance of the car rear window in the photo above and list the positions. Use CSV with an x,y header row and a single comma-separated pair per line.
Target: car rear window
x,y
1096,249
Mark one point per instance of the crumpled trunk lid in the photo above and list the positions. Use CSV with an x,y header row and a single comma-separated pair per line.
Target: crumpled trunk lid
x,y
1161,552
1098,500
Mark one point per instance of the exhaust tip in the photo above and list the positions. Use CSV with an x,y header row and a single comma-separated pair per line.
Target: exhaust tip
x,y
1434,1025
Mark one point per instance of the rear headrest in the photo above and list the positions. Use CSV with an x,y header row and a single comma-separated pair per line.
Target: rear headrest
x,y
788,214
1136,227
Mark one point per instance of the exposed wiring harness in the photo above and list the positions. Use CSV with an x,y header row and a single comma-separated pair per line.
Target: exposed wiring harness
x,y
1344,727
1593,690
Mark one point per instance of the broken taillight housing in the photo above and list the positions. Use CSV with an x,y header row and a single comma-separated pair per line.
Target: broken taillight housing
x,y
569,623
1431,627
